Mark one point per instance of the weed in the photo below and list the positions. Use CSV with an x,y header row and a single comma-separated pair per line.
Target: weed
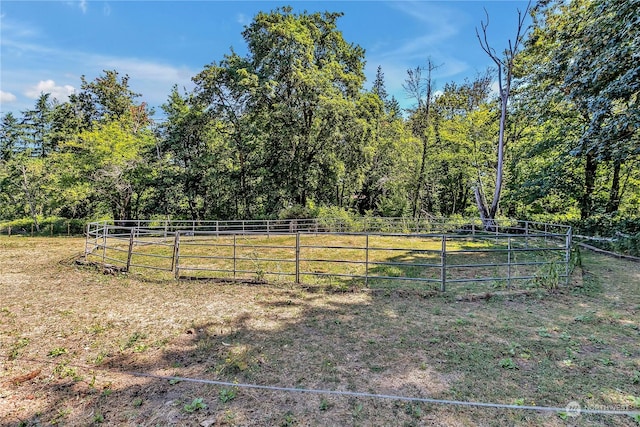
x,y
288,420
229,416
237,360
549,276
585,318
133,339
508,363
17,347
98,418
60,415
97,328
635,379
227,394
62,370
606,361
324,404
100,358
568,363
58,351
195,405
140,348
206,344
543,332
137,402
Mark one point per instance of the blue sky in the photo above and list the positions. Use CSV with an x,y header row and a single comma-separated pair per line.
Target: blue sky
x,y
45,46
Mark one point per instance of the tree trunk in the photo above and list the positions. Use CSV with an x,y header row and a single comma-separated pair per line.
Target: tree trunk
x,y
30,201
590,169
500,167
614,194
420,183
487,221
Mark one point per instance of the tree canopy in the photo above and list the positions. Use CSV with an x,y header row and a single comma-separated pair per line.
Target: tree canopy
x,y
292,128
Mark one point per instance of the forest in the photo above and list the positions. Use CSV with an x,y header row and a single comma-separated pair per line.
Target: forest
x,y
293,129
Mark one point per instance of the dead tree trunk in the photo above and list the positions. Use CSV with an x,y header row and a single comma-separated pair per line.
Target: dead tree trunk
x,y
505,76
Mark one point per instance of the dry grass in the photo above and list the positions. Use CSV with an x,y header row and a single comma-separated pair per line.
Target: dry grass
x,y
70,335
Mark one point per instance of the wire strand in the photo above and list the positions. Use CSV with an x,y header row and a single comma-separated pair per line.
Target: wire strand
x,y
573,408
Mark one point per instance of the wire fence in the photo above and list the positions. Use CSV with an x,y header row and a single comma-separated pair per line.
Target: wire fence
x,y
47,228
374,252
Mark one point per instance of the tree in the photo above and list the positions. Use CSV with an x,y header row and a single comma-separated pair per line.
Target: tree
x,y
111,158
10,136
505,66
37,126
583,57
287,106
421,89
461,155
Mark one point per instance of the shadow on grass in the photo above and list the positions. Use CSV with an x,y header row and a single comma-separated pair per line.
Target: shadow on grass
x,y
493,350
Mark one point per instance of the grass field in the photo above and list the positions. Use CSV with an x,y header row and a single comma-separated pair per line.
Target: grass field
x,y
70,336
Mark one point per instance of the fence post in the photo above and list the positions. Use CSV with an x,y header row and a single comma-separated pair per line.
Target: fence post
x,y
86,242
51,229
165,231
130,253
545,233
526,234
568,254
443,272
104,242
234,256
31,230
68,229
175,266
366,262
509,262
298,258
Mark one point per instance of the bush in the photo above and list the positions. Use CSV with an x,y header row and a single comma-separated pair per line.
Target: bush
x,y
48,226
298,212
623,230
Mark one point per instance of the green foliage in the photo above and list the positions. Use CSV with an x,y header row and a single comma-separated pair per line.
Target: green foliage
x,y
288,130
58,351
195,405
48,226
508,363
227,394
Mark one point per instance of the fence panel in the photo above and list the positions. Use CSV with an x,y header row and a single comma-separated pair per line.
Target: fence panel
x,y
309,251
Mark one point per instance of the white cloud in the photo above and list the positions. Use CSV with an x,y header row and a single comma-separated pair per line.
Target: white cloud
x,y
61,93
494,89
7,96
242,19
83,6
106,9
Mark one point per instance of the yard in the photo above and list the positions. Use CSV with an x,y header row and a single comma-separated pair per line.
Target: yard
x,y
72,340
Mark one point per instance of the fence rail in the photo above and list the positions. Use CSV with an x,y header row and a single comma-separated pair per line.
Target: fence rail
x,y
376,252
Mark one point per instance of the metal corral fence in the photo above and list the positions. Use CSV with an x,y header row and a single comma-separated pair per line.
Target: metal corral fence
x,y
374,252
